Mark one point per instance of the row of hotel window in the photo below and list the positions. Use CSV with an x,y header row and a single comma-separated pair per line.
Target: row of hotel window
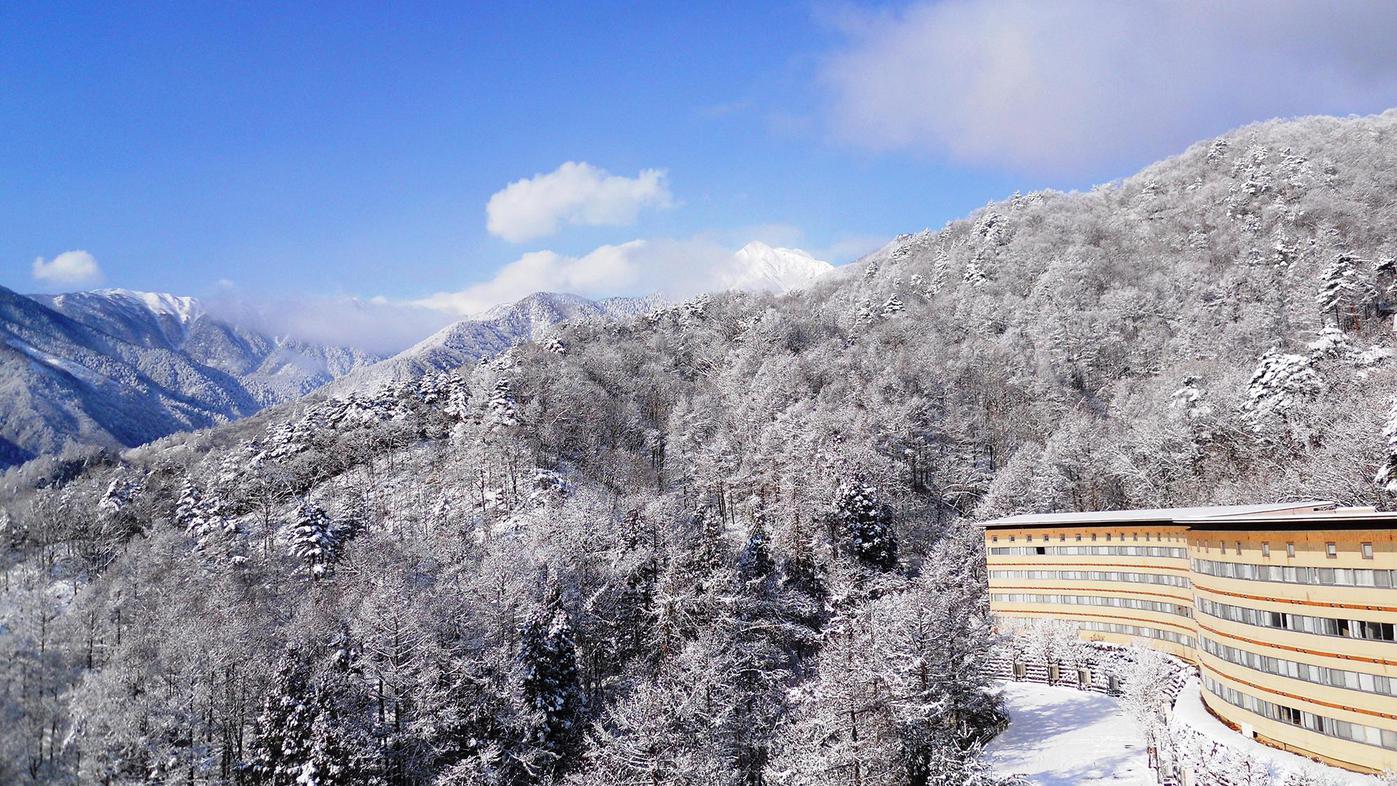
x,y
1301,623
1093,575
1319,675
1093,600
1334,577
1331,549
1384,738
1095,551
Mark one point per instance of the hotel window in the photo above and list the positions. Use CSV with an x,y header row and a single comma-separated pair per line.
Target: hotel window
x,y
1290,549
1331,550
994,538
1093,536
1061,538
1135,535
1029,538
1367,551
1239,547
1011,538
1266,550
1108,537
1079,536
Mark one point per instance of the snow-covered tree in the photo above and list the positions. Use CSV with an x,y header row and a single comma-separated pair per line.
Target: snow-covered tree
x,y
865,524
283,734
315,540
1344,296
550,692
1279,382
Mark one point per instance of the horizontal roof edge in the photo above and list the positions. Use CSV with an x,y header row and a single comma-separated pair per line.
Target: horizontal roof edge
x,y
1156,515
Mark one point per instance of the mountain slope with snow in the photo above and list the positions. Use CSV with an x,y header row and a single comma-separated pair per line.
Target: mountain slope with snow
x,y
119,368
494,331
763,268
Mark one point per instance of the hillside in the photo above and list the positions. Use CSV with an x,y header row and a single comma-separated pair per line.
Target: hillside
x,y
677,548
115,368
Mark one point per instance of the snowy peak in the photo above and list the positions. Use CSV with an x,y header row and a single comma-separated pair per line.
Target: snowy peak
x,y
180,307
142,318
762,268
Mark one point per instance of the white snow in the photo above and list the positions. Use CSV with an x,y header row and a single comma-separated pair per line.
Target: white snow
x,y
761,268
37,355
184,309
1068,737
1189,710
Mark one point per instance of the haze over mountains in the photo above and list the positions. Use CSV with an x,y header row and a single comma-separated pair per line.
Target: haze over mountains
x,y
118,368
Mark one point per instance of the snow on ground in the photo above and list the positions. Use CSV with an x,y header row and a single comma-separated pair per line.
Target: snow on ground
x,y
1190,710
1068,737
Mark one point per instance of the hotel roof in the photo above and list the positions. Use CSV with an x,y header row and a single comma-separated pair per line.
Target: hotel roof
x,y
1212,513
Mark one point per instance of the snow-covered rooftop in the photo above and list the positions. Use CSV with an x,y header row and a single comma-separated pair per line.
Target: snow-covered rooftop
x,y
1161,515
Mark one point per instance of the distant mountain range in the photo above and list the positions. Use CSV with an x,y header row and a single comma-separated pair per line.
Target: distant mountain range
x,y
118,368
494,331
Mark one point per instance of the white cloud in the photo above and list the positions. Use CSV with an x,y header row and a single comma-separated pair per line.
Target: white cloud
x,y
574,193
1089,87
68,268
671,268
373,325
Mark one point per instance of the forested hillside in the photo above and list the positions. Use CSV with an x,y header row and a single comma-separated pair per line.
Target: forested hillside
x,y
728,542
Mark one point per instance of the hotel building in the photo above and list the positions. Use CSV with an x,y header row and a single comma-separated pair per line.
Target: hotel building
x,y
1288,610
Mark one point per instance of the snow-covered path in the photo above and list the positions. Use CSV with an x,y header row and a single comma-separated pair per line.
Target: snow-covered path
x,y
1068,737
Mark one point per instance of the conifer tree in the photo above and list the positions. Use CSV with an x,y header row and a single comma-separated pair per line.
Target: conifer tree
x,y
551,691
283,735
314,540
866,524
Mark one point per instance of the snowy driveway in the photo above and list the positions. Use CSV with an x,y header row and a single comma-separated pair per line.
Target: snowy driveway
x,y
1068,737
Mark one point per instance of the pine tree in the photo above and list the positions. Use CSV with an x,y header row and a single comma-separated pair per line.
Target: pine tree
x,y
334,756
1344,296
283,733
892,306
189,504
1279,380
502,409
551,691
314,540
755,563
867,526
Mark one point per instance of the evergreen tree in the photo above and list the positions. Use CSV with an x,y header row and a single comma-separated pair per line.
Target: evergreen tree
x,y
283,734
755,563
866,524
1344,296
314,540
551,692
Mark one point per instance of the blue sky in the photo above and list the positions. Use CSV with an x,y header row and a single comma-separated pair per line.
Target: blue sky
x,y
351,149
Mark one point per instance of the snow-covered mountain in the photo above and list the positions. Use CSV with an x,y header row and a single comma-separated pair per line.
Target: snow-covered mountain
x,y
762,268
115,367
492,332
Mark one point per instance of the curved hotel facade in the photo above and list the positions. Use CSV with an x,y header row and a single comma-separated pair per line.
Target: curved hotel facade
x,y
1288,610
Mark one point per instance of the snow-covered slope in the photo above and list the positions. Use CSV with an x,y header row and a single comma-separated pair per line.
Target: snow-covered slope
x,y
492,332
118,368
762,268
